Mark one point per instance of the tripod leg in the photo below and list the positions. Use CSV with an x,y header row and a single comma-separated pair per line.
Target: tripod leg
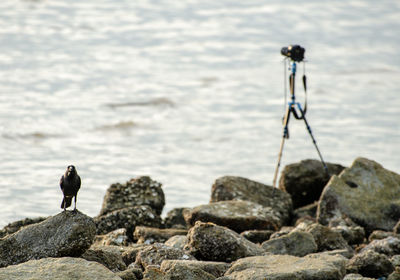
x,y
279,162
315,143
285,135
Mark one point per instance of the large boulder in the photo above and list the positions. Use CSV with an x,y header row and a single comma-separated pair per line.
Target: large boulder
x,y
285,267
210,242
237,215
304,181
296,243
366,192
66,234
58,269
238,188
127,218
139,191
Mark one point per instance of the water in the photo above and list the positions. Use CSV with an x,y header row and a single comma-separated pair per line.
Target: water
x,y
186,92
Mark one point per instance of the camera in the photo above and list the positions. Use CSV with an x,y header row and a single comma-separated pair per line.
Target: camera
x,y
294,52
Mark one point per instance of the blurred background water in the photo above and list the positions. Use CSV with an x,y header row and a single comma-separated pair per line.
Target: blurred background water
x,y
186,92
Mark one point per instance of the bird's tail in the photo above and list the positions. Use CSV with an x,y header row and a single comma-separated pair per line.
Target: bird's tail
x,y
67,201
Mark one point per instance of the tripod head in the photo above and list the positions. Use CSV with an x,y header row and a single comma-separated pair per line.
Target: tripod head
x,y
296,54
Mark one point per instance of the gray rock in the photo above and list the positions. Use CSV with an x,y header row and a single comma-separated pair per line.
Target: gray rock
x,y
381,234
210,242
237,188
370,264
66,234
154,254
389,246
354,276
327,239
178,272
139,191
109,258
17,225
365,192
181,272
150,235
128,274
127,218
129,253
304,181
304,223
175,219
177,241
58,269
335,257
283,231
237,215
116,237
257,236
309,211
284,267
296,243
342,252
396,228
352,234
154,273
217,269
395,260
395,275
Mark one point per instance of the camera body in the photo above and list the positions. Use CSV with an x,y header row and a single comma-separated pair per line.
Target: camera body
x,y
294,52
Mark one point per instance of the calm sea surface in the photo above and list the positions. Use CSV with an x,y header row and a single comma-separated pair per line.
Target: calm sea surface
x,y
186,92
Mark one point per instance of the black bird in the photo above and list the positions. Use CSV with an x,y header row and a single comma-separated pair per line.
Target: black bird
x,y
70,184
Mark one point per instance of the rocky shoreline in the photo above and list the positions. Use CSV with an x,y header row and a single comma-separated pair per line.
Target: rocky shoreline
x,y
315,226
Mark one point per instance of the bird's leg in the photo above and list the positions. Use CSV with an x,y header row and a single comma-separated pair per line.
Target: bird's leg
x,y
75,202
65,209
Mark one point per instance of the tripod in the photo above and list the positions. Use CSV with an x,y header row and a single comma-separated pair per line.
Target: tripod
x,y
291,109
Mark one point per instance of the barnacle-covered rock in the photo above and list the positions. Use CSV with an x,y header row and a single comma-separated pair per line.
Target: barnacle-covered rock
x,y
139,191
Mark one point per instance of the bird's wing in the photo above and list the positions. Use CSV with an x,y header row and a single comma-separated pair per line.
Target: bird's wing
x,y
79,182
62,182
